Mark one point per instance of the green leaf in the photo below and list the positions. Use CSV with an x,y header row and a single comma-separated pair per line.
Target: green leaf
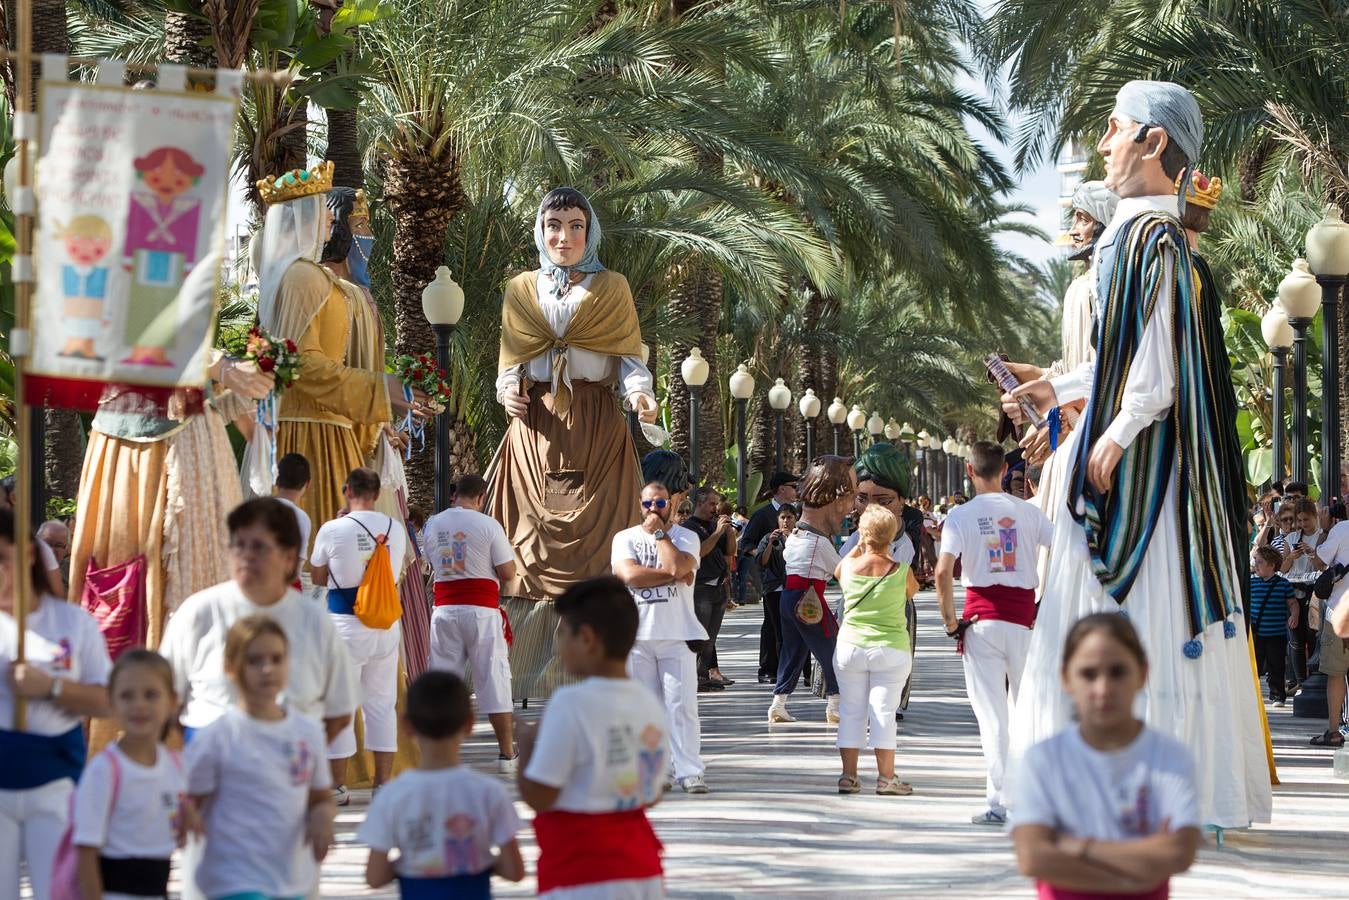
x,y
1245,430
1259,465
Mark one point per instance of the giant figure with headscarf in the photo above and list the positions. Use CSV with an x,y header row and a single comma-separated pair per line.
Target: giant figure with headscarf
x,y
1153,532
565,479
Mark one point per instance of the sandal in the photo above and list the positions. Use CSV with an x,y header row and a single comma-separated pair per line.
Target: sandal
x,y
1328,739
849,785
893,787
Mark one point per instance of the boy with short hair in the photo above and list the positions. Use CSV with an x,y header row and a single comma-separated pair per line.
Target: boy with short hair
x,y
443,819
1272,611
599,758
292,483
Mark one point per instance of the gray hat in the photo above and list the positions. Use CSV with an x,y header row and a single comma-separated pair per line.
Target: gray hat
x,y
1170,106
1096,200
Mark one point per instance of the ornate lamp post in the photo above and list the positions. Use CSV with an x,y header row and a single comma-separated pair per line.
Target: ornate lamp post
x,y
892,430
952,449
875,426
838,414
443,304
920,453
1328,259
1299,295
966,487
779,398
694,371
1278,335
857,420
742,388
810,409
934,462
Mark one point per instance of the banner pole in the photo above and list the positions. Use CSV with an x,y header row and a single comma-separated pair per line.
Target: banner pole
x,y
23,295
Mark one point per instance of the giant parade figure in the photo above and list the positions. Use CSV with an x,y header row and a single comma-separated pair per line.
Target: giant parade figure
x,y
1153,531
565,479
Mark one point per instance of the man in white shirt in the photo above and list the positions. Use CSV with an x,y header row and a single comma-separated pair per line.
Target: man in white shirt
x,y
657,561
292,483
996,538
471,559
342,550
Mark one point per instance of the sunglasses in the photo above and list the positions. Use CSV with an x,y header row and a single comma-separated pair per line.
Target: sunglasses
x,y
658,504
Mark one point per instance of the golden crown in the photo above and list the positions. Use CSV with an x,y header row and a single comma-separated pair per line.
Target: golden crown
x,y
1204,191
361,209
297,183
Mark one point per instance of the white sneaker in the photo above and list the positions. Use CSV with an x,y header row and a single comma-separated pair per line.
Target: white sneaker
x,y
340,795
507,766
694,784
778,711
831,710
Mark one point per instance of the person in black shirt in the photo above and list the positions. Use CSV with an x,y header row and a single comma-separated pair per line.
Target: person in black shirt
x,y
712,581
764,520
768,556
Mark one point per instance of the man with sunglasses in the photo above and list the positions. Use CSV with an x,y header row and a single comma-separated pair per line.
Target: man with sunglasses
x,y
657,560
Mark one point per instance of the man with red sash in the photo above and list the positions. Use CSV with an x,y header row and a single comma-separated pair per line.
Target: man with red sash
x,y
472,558
599,759
996,538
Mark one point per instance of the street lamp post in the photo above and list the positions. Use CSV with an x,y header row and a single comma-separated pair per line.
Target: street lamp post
x,y
779,398
1328,259
875,427
951,448
892,430
857,420
694,370
1278,335
920,439
742,388
838,414
933,448
443,304
1300,295
810,409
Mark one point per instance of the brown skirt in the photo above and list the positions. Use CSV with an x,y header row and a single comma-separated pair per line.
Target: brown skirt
x,y
562,486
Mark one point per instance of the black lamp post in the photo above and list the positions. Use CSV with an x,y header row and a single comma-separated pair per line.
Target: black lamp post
x,y
1299,296
779,398
1328,259
694,370
741,384
1278,335
443,304
810,409
838,414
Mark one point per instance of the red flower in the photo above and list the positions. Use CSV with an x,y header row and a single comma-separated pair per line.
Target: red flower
x,y
440,372
423,360
418,374
290,346
266,363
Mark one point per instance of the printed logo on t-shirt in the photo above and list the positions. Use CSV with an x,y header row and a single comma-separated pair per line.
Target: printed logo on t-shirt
x,y
651,762
461,846
63,659
459,552
1134,819
636,764
1000,541
645,552
173,805
301,762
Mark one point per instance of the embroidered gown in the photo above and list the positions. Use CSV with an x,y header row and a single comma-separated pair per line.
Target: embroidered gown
x,y
1208,703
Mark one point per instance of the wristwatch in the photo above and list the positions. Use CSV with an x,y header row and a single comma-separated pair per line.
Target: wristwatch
x,y
54,692
659,534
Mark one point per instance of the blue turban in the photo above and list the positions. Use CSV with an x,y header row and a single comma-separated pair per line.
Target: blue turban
x,y
1166,105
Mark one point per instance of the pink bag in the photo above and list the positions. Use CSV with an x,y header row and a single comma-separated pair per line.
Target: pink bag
x,y
115,597
66,862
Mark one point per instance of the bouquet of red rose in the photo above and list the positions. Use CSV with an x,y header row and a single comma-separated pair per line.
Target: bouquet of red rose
x,y
422,373
278,356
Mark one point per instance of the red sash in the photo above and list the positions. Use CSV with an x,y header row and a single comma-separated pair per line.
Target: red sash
x,y
590,848
802,583
1046,891
484,592
998,601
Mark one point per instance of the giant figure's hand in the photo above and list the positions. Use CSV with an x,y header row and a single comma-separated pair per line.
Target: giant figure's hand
x,y
399,403
1041,393
244,378
645,407
1036,444
516,402
1025,371
1105,455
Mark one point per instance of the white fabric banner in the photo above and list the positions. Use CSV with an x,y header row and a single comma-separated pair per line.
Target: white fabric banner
x,y
131,190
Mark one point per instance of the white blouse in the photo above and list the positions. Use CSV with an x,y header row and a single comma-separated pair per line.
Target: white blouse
x,y
582,365
1150,389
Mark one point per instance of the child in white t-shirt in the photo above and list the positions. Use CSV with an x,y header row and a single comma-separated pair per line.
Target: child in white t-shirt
x,y
1107,803
131,809
443,819
599,758
257,772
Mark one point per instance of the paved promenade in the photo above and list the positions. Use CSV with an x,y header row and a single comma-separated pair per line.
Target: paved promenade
x,y
775,826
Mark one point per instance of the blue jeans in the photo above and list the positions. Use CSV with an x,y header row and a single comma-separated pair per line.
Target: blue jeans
x,y
800,640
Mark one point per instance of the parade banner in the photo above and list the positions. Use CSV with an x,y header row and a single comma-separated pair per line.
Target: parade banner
x,y
131,194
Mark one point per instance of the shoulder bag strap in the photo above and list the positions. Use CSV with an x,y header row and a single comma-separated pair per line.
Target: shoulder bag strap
x,y
871,587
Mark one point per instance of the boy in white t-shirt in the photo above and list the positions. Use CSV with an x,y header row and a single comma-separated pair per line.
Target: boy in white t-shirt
x,y
599,759
996,537
443,819
292,483
470,559
342,550
657,561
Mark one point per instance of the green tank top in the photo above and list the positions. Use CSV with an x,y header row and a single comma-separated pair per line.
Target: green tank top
x,y
878,619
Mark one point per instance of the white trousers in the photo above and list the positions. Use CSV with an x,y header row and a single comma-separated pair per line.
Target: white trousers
x,y
474,635
995,654
31,824
670,670
870,682
374,659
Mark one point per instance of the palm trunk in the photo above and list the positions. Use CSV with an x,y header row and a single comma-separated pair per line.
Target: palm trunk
x,y
185,40
344,148
698,299
424,195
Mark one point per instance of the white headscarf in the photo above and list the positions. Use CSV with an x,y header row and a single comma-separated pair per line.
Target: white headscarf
x,y
293,230
1096,200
